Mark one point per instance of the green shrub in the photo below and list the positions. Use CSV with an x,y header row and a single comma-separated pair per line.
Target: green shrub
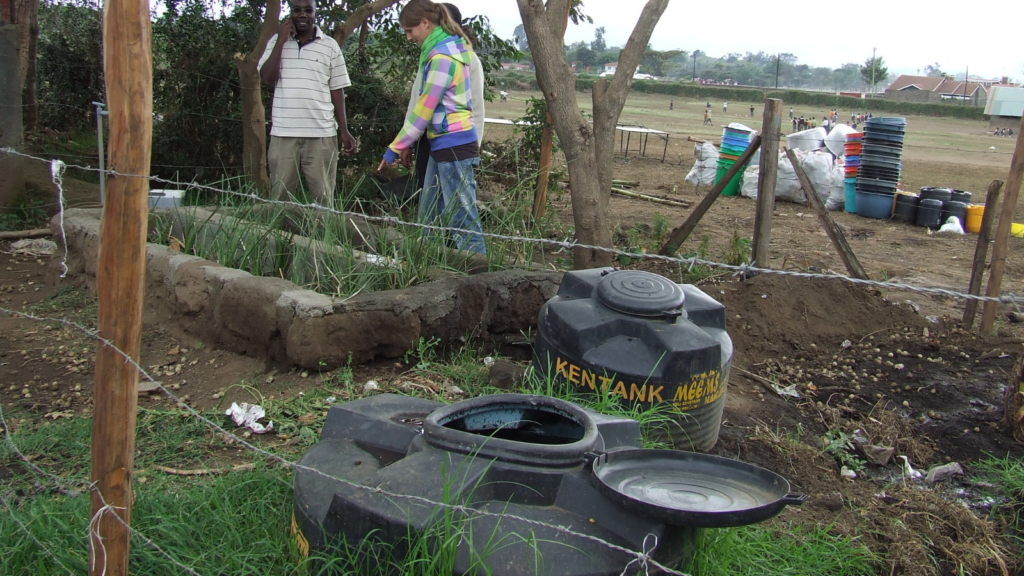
x,y
800,97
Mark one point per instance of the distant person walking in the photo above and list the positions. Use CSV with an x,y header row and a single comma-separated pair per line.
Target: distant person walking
x,y
790,113
751,110
671,104
794,123
707,117
725,107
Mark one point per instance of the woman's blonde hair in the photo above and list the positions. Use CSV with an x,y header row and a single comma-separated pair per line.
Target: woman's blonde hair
x,y
434,13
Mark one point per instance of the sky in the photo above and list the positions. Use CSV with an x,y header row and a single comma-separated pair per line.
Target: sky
x,y
908,34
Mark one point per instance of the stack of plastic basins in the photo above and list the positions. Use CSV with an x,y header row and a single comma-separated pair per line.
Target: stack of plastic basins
x,y
734,142
880,160
854,143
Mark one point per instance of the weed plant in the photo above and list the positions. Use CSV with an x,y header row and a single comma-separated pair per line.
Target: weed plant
x,y
26,212
341,256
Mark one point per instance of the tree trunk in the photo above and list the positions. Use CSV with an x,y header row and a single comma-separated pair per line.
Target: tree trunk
x,y
22,17
254,114
358,16
364,33
254,123
29,92
588,150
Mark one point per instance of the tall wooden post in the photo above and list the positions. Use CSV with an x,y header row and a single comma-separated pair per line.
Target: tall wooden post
x,y
767,173
835,233
682,232
540,197
128,66
1010,194
981,251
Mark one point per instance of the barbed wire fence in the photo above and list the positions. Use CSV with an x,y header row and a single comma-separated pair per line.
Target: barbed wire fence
x,y
688,261
640,561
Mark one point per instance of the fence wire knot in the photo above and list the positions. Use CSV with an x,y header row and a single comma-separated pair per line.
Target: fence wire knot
x,y
57,174
94,534
643,557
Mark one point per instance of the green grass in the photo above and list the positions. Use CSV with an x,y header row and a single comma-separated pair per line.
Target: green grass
x,y
238,523
335,256
790,550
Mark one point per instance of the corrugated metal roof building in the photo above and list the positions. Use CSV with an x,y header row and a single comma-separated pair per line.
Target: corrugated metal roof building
x,y
1005,106
1005,101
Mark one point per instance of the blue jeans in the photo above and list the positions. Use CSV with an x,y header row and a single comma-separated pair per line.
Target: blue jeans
x,y
449,199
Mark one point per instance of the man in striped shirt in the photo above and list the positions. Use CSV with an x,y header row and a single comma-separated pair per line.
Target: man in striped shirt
x,y
308,73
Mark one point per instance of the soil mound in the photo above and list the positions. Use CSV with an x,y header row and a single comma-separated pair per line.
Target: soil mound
x,y
771,315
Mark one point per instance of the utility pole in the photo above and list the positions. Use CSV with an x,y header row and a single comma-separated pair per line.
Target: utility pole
x,y
694,65
874,65
778,64
967,75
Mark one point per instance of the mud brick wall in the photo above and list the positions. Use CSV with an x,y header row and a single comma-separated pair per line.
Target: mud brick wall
x,y
275,319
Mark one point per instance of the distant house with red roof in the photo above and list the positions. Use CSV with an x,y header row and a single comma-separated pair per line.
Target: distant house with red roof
x,y
936,89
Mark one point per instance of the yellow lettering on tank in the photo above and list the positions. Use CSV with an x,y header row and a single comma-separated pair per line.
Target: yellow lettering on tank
x,y
587,379
655,392
574,374
620,390
605,382
637,392
560,367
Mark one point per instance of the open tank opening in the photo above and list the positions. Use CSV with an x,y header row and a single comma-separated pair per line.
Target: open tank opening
x,y
527,424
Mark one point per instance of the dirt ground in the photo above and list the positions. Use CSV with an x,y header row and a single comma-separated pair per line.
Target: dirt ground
x,y
860,359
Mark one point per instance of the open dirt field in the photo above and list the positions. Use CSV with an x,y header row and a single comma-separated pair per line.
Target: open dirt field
x,y
939,152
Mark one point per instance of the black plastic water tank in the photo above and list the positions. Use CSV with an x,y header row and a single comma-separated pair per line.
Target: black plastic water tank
x,y
520,458
929,213
906,208
643,338
954,208
961,196
940,194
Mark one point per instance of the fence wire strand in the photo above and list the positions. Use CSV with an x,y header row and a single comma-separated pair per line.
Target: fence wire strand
x,y
741,270
642,558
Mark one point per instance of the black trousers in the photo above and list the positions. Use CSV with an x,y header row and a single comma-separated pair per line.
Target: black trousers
x,y
422,156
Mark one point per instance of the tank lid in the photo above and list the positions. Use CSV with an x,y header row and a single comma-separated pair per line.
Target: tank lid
x,y
640,293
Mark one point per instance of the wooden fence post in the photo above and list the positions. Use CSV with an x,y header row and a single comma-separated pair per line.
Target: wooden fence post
x,y
981,251
835,234
128,67
768,170
680,234
995,275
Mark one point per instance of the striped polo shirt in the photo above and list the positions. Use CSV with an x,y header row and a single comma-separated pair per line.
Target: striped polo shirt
x,y
302,96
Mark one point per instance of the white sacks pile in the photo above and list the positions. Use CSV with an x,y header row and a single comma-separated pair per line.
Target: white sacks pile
x,y
703,172
822,171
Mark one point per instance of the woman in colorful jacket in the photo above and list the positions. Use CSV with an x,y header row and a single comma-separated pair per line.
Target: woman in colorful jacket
x,y
444,111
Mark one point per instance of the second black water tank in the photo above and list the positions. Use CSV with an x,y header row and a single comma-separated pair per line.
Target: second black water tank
x,y
929,213
906,208
954,208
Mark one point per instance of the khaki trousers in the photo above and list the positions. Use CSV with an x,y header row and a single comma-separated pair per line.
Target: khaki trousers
x,y
316,158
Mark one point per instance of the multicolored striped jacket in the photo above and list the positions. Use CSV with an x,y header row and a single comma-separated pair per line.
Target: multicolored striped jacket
x,y
445,106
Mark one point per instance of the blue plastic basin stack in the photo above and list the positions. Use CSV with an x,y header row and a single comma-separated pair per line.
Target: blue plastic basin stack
x,y
735,142
880,161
